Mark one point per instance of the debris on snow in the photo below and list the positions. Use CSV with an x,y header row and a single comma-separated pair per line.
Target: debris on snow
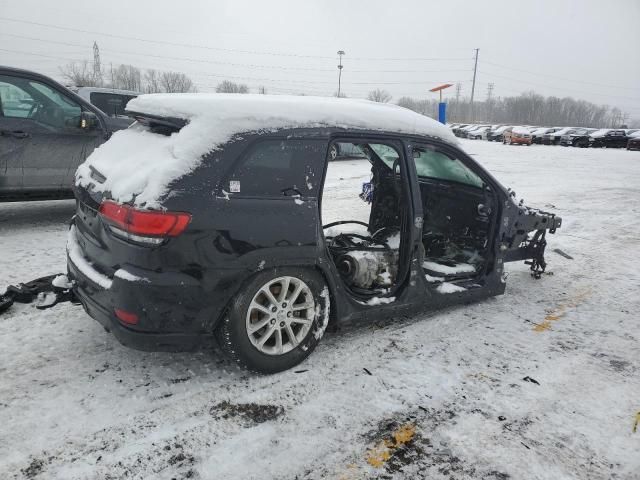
x,y
61,281
531,380
253,412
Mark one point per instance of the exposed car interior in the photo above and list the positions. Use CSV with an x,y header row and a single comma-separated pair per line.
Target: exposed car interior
x,y
365,245
458,214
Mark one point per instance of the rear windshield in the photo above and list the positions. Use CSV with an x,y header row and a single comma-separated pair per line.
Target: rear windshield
x,y
113,104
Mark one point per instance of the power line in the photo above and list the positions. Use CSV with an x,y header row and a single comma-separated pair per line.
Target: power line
x,y
187,59
229,50
160,42
233,64
559,78
560,88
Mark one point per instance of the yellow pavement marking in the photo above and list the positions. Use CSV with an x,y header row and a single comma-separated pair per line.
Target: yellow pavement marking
x,y
560,311
382,452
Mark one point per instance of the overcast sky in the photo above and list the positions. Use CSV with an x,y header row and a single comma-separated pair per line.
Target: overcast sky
x,y
585,49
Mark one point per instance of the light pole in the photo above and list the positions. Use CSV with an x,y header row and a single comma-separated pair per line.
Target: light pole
x,y
341,53
442,107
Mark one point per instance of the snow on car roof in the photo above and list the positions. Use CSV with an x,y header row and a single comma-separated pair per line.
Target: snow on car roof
x,y
139,165
600,133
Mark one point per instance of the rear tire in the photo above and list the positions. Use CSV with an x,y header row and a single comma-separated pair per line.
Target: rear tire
x,y
267,330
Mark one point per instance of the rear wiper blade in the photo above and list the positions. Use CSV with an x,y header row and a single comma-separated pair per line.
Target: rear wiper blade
x,y
96,175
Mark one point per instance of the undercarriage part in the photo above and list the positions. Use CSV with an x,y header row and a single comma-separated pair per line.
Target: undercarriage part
x,y
537,246
46,291
366,269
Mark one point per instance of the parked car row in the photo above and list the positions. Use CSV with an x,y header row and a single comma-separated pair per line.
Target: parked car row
x,y
566,136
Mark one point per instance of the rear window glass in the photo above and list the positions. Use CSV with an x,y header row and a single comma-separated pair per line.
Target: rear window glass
x,y
112,104
277,168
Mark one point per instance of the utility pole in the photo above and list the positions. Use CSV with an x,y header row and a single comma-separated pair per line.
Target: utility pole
x,y
473,85
341,53
458,89
97,73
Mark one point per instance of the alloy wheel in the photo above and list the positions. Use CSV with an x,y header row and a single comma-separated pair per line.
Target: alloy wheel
x,y
280,315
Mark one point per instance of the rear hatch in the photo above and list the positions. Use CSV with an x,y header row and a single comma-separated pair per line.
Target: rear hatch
x,y
98,238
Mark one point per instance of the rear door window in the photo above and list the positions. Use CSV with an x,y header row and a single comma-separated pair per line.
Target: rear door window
x,y
279,168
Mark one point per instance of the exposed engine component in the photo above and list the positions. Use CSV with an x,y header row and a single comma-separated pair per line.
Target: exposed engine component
x,y
365,262
366,269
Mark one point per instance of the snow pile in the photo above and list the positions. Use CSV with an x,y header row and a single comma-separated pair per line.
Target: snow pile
x,y
446,287
447,270
380,301
75,255
140,165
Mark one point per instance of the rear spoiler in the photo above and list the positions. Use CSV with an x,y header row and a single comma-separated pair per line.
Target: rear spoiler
x,y
165,125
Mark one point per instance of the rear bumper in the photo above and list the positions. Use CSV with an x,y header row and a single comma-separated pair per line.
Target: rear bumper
x,y
521,141
146,341
173,313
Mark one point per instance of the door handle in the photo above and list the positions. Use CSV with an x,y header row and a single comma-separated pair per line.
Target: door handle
x,y
15,133
484,210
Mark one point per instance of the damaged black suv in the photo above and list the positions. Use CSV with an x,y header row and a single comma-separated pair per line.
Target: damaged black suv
x,y
263,242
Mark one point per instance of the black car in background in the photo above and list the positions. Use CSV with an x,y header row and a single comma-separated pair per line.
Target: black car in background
x,y
553,138
634,142
609,138
236,248
46,131
538,133
496,134
577,137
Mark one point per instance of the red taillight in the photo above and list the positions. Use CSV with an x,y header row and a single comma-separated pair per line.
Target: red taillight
x,y
126,317
138,224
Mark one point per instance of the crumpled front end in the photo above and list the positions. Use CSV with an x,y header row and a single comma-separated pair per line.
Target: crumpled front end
x,y
524,233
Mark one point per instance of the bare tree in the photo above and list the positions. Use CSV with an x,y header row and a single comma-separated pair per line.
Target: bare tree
x,y
175,82
80,74
152,81
231,87
127,77
380,96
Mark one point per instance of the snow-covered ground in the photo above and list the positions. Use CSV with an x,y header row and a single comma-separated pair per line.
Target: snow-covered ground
x,y
543,382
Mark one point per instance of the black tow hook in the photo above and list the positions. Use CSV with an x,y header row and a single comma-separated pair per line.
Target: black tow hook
x,y
45,291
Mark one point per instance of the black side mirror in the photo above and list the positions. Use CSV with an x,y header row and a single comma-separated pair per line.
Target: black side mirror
x,y
88,120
